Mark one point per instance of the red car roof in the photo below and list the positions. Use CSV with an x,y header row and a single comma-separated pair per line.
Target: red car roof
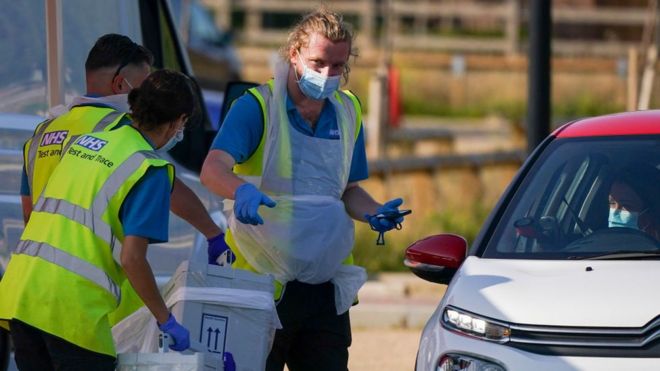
x,y
627,123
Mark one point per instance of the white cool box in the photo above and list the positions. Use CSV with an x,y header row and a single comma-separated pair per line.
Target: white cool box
x,y
172,361
225,310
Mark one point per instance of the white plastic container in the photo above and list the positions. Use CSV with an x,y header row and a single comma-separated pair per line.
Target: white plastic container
x,y
226,310
171,361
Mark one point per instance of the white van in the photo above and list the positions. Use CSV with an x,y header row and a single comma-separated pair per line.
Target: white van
x,y
35,76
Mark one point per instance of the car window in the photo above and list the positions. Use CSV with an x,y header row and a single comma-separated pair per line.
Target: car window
x,y
561,209
23,42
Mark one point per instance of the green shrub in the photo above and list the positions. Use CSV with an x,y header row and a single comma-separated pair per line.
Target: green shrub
x,y
425,107
582,105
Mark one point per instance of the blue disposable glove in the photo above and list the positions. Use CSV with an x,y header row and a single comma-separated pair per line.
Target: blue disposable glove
x,y
178,333
228,362
247,201
217,247
382,223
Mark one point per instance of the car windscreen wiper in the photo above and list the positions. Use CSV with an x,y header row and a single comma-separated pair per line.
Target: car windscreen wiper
x,y
620,255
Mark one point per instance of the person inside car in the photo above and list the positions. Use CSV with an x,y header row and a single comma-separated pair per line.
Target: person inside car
x,y
631,205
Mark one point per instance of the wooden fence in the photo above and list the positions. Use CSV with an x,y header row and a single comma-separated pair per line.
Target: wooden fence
x,y
445,25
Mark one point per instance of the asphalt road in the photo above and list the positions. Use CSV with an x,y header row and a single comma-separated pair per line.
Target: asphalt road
x,y
383,349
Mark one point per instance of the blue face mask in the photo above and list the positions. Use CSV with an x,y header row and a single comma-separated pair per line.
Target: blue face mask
x,y
172,142
623,218
315,85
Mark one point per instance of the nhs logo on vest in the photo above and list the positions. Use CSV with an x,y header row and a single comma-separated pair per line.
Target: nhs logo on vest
x,y
54,137
89,142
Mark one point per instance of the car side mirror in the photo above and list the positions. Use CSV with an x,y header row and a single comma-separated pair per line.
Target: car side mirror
x,y
436,258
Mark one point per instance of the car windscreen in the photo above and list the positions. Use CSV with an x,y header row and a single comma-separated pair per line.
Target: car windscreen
x,y
23,75
563,208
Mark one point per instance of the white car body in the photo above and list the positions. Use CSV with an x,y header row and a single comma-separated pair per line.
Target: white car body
x,y
553,293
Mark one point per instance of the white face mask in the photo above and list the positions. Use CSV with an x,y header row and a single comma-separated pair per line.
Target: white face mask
x,y
316,85
623,218
176,138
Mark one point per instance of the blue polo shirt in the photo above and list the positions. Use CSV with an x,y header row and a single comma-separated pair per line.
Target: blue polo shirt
x,y
243,127
145,211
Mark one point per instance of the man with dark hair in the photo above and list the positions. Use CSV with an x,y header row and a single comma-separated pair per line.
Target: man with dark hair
x,y
112,49
115,65
120,58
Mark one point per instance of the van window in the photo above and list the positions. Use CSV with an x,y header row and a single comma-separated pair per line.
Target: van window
x,y
23,49
23,82
23,42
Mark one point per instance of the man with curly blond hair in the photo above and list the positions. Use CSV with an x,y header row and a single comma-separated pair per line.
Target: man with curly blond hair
x,y
296,146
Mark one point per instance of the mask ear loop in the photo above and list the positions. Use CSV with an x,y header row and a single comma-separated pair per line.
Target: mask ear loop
x,y
129,84
295,71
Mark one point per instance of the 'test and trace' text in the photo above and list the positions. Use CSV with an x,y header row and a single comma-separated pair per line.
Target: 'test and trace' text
x,y
93,144
90,157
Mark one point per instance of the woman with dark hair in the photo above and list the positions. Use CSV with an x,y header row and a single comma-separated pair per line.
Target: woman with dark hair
x,y
107,199
633,203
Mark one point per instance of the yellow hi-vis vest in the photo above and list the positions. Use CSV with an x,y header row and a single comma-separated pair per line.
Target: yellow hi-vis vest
x,y
42,152
63,278
252,168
